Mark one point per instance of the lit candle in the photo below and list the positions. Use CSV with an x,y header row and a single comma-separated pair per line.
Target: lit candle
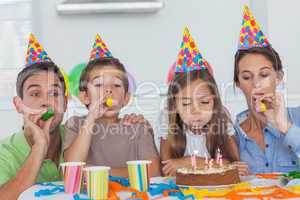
x,y
193,159
218,155
206,159
221,161
211,163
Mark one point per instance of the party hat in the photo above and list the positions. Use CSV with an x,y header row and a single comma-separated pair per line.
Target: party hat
x,y
35,52
189,57
100,49
251,35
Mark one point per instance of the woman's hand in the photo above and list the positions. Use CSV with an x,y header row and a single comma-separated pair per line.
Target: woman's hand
x,y
276,113
243,168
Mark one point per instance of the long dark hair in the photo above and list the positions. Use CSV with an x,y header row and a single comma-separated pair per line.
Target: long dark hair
x,y
217,128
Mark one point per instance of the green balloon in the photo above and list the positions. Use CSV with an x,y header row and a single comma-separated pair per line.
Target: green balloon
x,y
74,78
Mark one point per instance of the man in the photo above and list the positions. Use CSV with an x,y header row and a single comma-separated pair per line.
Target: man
x,y
34,153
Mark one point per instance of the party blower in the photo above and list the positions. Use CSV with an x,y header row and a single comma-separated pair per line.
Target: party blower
x,y
109,102
261,107
47,115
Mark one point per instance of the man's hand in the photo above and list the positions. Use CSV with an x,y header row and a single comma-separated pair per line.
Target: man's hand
x,y
38,134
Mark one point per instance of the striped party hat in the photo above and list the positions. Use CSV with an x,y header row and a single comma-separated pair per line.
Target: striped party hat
x,y
35,52
251,35
100,49
189,57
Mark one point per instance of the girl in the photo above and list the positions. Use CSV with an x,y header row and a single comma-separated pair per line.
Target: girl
x,y
197,120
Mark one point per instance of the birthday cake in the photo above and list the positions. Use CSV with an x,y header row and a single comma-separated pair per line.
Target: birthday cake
x,y
225,175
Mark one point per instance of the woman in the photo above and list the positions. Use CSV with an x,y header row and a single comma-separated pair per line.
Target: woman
x,y
269,138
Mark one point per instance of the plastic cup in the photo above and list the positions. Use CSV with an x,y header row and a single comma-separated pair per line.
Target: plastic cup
x,y
139,176
97,181
72,173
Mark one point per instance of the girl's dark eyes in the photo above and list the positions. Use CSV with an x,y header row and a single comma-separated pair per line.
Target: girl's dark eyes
x,y
186,104
117,85
246,77
205,102
265,75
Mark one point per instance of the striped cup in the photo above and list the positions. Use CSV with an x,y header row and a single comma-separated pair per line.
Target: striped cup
x,y
97,181
72,173
139,177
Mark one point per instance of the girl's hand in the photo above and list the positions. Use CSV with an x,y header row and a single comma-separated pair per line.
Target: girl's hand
x,y
170,166
243,168
276,113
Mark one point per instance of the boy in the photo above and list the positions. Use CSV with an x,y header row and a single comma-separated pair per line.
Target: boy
x,y
100,138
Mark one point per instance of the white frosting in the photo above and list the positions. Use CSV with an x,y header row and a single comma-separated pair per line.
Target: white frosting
x,y
213,170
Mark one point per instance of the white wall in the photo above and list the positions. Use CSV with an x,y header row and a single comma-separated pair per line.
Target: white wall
x,y
15,24
284,31
148,43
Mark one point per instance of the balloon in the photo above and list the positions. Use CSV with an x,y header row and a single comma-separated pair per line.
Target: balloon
x,y
66,79
171,73
74,78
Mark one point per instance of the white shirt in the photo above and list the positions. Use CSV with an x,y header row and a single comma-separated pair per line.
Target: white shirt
x,y
194,142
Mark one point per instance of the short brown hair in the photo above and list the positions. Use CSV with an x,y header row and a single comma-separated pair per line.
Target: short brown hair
x,y
99,63
33,69
268,52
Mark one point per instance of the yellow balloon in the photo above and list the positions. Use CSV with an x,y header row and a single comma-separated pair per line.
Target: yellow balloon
x,y
66,79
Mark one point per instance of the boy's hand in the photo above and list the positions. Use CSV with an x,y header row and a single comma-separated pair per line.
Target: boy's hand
x,y
39,137
97,109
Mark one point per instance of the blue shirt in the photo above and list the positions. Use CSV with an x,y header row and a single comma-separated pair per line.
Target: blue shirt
x,y
281,150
